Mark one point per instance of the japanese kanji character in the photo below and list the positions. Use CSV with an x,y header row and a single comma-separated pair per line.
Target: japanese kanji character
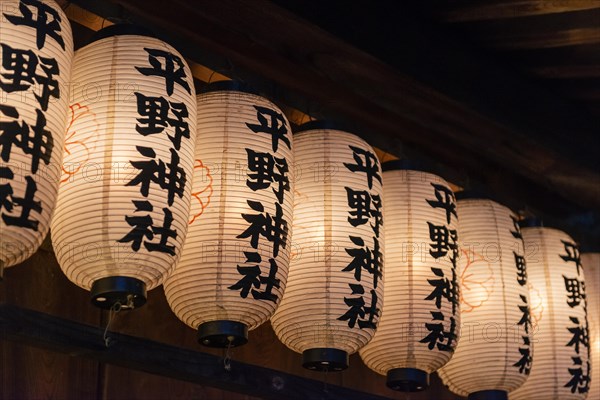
x,y
521,269
164,232
47,22
171,68
169,176
443,288
273,123
144,230
250,275
274,229
356,305
572,254
437,335
580,335
266,169
27,205
580,381
365,258
365,162
575,291
524,363
443,239
444,199
526,317
360,203
36,141
154,113
21,73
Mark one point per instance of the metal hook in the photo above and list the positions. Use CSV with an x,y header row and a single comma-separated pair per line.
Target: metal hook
x,y
112,312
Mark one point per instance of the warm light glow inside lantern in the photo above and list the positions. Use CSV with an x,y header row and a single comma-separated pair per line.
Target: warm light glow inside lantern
x,y
591,266
332,303
420,322
124,199
235,259
494,354
36,51
560,331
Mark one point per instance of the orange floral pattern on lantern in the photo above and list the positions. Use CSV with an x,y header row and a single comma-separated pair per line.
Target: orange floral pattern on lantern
x,y
476,280
201,198
536,308
75,147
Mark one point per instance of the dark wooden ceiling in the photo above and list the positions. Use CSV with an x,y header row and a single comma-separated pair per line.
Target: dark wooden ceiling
x,y
554,41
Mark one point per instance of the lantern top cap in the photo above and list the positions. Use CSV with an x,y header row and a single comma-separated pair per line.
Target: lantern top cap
x,y
323,124
228,86
121,30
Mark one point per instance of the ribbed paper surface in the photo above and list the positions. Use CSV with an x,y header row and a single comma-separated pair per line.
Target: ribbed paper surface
x,y
557,366
493,352
311,314
106,156
216,279
31,63
398,340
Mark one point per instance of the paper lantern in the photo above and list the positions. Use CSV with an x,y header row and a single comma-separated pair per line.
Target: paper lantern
x,y
420,320
591,265
36,51
558,311
494,354
235,260
124,199
332,303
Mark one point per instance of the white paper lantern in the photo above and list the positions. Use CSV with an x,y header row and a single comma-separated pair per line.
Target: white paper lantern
x,y
591,266
494,354
36,51
558,311
124,199
420,320
332,303
235,259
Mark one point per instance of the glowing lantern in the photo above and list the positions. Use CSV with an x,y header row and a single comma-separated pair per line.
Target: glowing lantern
x,y
332,303
124,200
560,331
420,321
235,259
494,354
36,51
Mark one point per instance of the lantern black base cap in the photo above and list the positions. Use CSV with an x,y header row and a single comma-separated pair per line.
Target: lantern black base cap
x,y
325,359
223,334
489,395
407,379
122,292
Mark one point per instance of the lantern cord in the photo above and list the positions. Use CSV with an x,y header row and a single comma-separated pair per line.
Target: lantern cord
x,y
325,388
227,357
112,312
1,270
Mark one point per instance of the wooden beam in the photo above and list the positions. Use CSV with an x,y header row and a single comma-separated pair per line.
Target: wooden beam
x,y
502,9
543,40
76,339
